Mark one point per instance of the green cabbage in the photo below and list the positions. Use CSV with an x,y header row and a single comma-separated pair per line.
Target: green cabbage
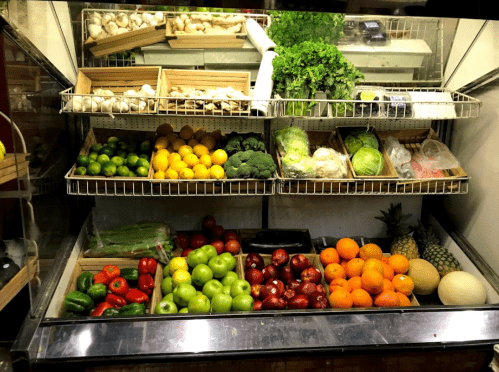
x,y
295,166
358,139
352,144
367,162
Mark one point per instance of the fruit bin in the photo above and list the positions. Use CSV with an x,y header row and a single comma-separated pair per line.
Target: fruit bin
x,y
13,286
302,236
8,168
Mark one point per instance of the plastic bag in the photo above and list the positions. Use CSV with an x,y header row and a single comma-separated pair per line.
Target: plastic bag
x,y
292,140
425,167
400,157
330,163
295,166
439,153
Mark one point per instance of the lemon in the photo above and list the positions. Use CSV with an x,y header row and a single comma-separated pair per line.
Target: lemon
x,y
191,160
198,166
200,150
159,175
201,173
2,149
217,172
178,263
181,276
174,156
162,151
205,160
178,166
171,174
184,150
219,157
160,161
186,174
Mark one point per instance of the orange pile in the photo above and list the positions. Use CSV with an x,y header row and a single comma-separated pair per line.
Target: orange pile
x,y
363,277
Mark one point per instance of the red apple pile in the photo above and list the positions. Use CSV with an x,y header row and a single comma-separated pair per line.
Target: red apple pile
x,y
279,286
213,234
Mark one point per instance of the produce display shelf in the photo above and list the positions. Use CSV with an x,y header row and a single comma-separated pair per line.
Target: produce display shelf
x,y
12,288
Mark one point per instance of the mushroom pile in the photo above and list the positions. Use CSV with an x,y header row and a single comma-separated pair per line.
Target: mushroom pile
x,y
104,100
207,24
104,25
208,99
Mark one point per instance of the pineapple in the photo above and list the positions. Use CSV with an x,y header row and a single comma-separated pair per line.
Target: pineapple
x,y
434,253
400,231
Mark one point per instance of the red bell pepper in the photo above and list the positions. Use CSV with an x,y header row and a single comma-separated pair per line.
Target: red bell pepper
x,y
115,300
111,272
136,296
119,286
101,278
100,308
147,266
146,284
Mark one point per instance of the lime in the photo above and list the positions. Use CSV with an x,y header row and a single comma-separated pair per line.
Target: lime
x,y
123,171
144,156
96,148
81,171
122,145
118,160
113,140
109,169
143,163
106,150
132,154
93,156
145,146
131,147
122,153
142,172
112,145
83,160
131,174
102,159
131,161
94,168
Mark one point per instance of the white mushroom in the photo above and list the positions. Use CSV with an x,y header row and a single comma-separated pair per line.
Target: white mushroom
x,y
112,28
122,30
158,17
95,19
136,19
108,17
147,17
122,20
103,34
94,30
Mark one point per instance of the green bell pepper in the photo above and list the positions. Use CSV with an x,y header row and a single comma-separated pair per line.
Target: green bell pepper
x,y
130,274
97,291
69,314
133,309
110,312
84,281
77,302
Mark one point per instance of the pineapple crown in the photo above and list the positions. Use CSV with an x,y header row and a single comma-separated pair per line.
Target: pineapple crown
x,y
425,236
396,221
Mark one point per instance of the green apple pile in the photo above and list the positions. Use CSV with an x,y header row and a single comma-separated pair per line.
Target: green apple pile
x,y
203,282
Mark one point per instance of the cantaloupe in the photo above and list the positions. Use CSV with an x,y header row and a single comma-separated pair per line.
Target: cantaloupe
x,y
461,288
424,275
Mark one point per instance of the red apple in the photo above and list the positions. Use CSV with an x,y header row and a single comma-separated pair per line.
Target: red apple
x,y
321,289
311,275
270,272
257,305
232,246
273,302
280,257
255,291
198,240
318,300
217,231
288,293
183,240
306,288
298,302
207,223
269,290
253,276
278,283
286,274
294,284
254,260
185,252
229,235
218,244
299,263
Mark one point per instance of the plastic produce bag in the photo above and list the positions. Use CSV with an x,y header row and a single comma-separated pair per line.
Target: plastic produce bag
x,y
295,166
425,167
292,140
439,153
330,163
400,157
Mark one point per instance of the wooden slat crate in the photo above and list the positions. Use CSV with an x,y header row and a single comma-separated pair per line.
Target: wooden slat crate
x,y
14,286
8,169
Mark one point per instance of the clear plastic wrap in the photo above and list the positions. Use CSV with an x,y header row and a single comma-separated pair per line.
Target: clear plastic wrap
x,y
373,33
400,157
330,163
368,93
398,105
296,166
439,153
424,167
292,140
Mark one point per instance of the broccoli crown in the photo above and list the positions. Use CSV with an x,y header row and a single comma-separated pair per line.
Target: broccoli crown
x,y
236,167
233,145
262,165
253,142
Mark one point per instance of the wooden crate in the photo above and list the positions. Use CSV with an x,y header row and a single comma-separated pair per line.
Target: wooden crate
x,y
119,80
205,41
8,169
14,286
201,79
248,234
388,168
95,265
127,41
28,78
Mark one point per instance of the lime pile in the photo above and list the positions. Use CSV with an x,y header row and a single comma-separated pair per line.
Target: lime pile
x,y
115,158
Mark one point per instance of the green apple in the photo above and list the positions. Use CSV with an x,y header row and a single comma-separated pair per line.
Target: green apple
x,y
199,304
240,286
212,287
199,292
183,310
167,285
182,293
166,271
242,302
221,303
229,278
197,257
229,258
218,266
210,250
201,274
169,297
166,307
226,289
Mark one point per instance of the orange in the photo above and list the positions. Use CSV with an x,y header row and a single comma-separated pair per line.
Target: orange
x,y
404,300
344,263
384,259
361,298
388,285
373,263
340,299
372,281
333,271
387,299
354,267
399,263
347,248
219,157
329,256
355,282
387,271
403,284
371,251
339,283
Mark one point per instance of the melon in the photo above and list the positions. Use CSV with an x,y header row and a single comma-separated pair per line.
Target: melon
x,y
424,275
461,288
